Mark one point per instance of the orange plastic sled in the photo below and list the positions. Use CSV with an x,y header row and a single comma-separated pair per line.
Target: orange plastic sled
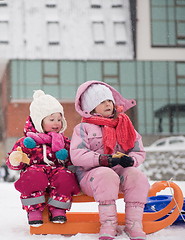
x,y
83,222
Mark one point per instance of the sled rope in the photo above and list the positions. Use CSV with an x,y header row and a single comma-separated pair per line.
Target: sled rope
x,y
168,182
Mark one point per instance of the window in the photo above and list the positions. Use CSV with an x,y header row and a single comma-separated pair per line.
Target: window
x,y
4,30
4,17
50,71
110,73
51,11
96,3
161,143
168,23
98,32
3,4
180,25
120,32
53,33
51,3
117,3
177,141
180,71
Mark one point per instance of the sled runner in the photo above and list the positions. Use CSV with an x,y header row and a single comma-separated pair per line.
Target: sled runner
x,y
156,203
87,222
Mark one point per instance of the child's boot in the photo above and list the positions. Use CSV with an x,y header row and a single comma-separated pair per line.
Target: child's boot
x,y
108,220
58,215
35,218
133,221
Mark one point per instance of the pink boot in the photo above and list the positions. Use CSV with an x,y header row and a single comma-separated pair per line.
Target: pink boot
x,y
108,220
133,223
58,215
35,218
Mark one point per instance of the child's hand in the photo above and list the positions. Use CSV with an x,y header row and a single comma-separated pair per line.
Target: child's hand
x,y
124,159
108,160
118,155
116,159
62,154
29,142
16,157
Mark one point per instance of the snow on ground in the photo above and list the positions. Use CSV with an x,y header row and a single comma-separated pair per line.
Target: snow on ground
x,y
13,220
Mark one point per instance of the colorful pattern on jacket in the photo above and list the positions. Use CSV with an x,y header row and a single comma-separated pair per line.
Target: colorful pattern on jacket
x,y
36,154
38,180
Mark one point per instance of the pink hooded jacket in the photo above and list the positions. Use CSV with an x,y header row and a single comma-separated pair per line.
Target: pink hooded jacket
x,y
86,143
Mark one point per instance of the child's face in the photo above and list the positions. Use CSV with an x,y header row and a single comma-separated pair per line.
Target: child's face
x,y
105,108
52,123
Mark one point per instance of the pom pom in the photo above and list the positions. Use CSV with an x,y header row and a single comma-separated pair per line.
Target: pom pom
x,y
38,93
29,142
62,154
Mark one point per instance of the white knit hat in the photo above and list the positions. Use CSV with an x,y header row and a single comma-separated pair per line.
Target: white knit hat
x,y
94,95
42,106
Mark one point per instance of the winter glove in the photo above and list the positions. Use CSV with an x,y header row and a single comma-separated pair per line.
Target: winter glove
x,y
16,157
108,161
62,154
126,161
29,142
113,160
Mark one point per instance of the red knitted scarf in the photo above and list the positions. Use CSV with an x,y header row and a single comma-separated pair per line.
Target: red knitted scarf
x,y
119,129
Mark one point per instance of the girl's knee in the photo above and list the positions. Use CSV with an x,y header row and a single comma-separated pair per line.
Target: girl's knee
x,y
135,175
32,180
135,186
62,175
65,182
105,184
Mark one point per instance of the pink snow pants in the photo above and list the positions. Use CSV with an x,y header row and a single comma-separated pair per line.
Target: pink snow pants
x,y
37,180
105,183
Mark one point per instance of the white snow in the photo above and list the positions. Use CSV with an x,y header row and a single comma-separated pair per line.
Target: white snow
x,y
13,220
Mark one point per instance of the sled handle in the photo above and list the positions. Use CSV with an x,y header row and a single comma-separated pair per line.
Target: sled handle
x,y
149,219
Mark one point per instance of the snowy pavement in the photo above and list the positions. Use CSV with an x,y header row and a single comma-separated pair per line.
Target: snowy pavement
x,y
13,220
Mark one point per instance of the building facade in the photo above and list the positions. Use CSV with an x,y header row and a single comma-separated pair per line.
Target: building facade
x,y
136,46
60,29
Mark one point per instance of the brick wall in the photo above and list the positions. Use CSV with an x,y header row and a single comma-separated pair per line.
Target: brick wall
x,y
17,113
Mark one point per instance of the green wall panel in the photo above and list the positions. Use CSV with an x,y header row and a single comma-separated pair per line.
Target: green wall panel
x,y
94,71
151,84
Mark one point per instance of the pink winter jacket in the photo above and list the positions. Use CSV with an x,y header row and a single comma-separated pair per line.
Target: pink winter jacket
x,y
86,143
